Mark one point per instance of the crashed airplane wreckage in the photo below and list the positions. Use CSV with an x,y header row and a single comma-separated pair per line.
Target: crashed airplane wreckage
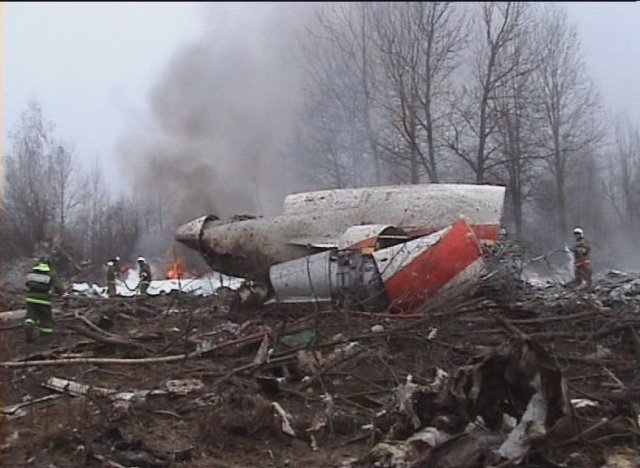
x,y
372,248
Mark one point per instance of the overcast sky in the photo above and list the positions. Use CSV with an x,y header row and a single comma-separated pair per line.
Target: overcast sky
x,y
91,65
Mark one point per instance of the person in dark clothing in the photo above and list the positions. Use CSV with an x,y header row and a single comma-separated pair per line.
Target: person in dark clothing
x,y
112,275
582,259
144,275
40,282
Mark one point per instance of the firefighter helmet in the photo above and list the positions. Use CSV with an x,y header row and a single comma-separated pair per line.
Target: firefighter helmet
x,y
141,260
578,231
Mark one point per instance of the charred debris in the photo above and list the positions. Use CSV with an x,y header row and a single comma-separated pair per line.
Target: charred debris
x,y
513,373
373,327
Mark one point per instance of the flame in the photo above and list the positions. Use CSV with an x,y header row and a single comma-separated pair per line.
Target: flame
x,y
176,271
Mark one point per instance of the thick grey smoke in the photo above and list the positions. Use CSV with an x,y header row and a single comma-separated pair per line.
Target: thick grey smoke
x,y
223,116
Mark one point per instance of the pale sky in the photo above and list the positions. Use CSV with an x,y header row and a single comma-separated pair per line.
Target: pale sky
x,y
610,34
91,65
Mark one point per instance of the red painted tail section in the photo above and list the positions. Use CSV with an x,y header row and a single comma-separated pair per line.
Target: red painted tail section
x,y
451,259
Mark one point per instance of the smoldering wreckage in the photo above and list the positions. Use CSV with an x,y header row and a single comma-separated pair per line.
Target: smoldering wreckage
x,y
384,327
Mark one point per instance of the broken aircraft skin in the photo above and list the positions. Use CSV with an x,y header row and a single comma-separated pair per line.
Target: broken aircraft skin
x,y
369,248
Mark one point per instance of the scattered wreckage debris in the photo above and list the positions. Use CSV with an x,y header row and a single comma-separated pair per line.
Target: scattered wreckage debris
x,y
373,249
518,380
367,248
547,379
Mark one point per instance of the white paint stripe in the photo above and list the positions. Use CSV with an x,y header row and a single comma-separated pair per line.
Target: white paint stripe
x,y
392,259
464,280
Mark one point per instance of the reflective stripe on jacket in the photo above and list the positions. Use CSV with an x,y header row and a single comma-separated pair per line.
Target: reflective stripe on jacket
x,y
33,298
39,283
41,278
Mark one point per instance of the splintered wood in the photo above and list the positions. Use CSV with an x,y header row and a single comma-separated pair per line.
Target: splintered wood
x,y
505,380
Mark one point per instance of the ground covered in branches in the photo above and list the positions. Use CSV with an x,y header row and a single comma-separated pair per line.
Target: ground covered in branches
x,y
174,381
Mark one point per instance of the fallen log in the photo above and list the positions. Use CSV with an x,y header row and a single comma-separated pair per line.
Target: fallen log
x,y
18,314
77,389
133,361
92,325
56,362
71,349
11,410
108,339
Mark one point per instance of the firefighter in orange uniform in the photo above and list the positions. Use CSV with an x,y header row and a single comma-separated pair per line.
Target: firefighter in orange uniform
x,y
582,259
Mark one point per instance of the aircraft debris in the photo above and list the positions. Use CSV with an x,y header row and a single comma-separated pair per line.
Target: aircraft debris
x,y
184,386
485,380
284,418
373,248
78,389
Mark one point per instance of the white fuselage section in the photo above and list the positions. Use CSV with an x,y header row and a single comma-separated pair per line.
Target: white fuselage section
x,y
315,221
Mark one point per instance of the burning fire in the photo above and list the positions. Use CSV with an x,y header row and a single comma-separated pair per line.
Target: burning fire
x,y
176,271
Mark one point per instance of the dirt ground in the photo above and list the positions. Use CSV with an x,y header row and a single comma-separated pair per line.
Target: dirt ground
x,y
163,430
228,416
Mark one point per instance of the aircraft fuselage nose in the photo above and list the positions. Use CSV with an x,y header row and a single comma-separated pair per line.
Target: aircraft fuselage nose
x,y
191,233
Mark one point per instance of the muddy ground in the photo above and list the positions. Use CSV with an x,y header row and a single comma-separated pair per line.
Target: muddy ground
x,y
238,367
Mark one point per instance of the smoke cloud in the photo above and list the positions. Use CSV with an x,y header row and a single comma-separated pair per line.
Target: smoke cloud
x,y
222,117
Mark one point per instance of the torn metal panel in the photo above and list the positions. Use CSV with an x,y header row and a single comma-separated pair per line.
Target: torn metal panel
x,y
530,427
517,379
506,380
371,237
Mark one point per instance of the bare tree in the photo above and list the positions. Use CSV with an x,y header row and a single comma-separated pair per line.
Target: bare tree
x,y
105,227
475,118
623,178
569,124
92,213
339,62
513,103
319,140
420,44
28,201
67,185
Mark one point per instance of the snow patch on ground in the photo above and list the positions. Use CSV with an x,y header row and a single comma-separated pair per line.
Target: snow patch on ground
x,y
202,286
